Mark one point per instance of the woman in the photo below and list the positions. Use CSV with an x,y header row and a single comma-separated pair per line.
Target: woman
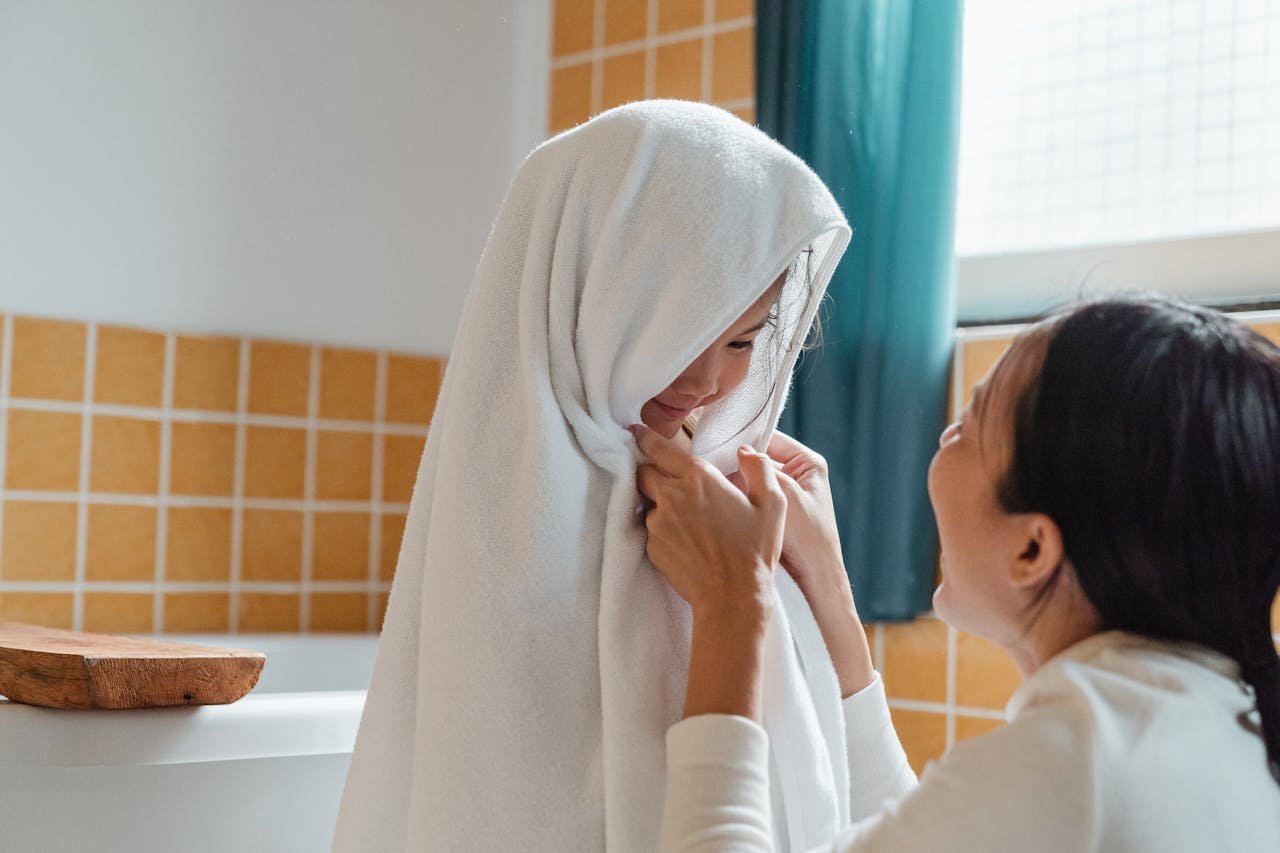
x,y
662,260
1109,512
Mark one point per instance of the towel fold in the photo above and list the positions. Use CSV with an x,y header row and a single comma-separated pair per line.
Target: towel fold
x,y
531,658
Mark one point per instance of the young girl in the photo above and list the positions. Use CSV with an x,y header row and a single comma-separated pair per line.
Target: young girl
x,y
661,261
1109,511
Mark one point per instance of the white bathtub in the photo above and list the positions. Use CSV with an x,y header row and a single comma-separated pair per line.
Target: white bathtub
x,y
262,774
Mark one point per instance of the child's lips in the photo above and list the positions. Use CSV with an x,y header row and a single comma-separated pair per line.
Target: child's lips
x,y
672,411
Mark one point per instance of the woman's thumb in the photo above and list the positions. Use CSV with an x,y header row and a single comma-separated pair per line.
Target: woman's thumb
x,y
760,477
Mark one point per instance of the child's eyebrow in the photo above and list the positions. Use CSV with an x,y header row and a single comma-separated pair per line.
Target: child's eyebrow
x,y
757,327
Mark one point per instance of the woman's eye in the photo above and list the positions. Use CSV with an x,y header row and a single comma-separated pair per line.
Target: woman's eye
x,y
741,345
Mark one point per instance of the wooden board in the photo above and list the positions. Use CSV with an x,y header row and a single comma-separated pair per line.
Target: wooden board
x,y
69,669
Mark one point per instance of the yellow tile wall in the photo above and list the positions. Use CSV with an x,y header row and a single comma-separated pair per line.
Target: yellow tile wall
x,y
609,52
152,481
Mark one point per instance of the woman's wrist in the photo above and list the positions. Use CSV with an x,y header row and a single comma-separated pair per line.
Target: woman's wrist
x,y
726,658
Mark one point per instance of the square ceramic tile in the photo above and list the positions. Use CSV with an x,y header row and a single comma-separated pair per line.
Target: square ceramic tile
x,y
401,456
50,609
202,459
979,357
347,384
915,661
198,544
130,367
747,114
197,612
413,383
624,20
985,674
275,462
679,70
206,373
121,543
733,66
392,533
969,727
272,545
570,97
383,598
679,14
573,26
43,451
1270,331
623,79
125,455
118,613
340,550
39,541
728,10
279,378
268,612
339,611
47,359
344,466
923,735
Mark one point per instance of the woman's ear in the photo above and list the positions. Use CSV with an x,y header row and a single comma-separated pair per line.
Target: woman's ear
x,y
1041,550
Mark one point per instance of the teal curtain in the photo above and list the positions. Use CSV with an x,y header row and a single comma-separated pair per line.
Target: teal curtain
x,y
867,92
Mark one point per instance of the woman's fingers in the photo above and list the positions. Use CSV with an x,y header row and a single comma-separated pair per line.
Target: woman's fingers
x,y
649,480
666,454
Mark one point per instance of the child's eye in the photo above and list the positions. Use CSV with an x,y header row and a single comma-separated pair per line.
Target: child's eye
x,y
742,345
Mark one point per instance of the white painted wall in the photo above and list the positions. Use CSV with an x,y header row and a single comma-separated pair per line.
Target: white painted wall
x,y
304,169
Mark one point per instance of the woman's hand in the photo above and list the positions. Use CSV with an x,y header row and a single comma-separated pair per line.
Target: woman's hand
x,y
811,555
716,546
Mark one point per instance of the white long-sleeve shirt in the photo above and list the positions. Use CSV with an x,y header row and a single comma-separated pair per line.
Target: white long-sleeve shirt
x,y
1118,744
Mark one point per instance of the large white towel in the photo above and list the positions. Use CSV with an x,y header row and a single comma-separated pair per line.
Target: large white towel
x,y
532,659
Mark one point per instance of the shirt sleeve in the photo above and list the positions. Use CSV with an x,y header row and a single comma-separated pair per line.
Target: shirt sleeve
x,y
1024,787
878,769
717,786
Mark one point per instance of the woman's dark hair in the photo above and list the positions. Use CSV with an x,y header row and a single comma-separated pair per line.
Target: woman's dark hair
x,y
1152,438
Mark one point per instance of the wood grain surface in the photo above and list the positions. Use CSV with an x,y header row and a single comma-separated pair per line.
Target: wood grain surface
x,y
71,669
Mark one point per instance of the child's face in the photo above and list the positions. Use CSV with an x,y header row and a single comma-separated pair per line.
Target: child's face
x,y
714,373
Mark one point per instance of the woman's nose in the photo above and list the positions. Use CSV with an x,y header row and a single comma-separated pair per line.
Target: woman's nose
x,y
948,433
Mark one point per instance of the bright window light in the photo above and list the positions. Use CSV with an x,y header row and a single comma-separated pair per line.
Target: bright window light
x,y
1093,122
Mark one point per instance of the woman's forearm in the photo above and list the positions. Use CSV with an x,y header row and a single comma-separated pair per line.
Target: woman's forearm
x,y
726,661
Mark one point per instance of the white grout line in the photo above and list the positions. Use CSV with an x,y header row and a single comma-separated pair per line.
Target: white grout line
x,y
943,708
6,358
375,492
596,57
879,649
237,488
651,50
708,20
82,496
951,686
162,508
598,53
309,491
189,586
199,416
211,502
